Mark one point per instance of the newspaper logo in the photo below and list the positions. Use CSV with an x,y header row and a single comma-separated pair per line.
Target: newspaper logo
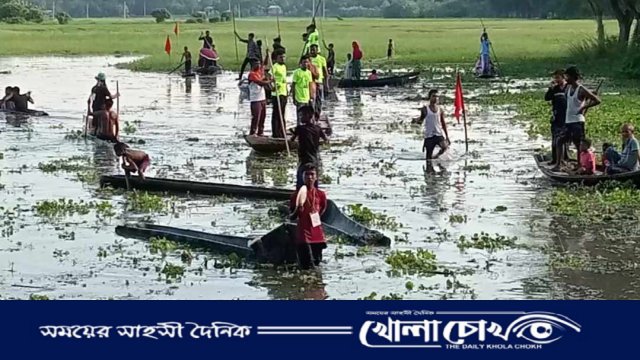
x,y
490,331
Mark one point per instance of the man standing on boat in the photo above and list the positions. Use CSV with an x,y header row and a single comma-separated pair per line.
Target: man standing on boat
x,y
207,41
302,87
253,53
485,57
556,94
309,204
97,100
579,99
313,35
279,101
320,63
257,98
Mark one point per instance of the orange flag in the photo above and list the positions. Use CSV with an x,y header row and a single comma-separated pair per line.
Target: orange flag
x,y
459,99
176,30
167,46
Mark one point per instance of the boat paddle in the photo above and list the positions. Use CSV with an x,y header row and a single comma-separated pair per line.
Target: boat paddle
x,y
126,172
174,70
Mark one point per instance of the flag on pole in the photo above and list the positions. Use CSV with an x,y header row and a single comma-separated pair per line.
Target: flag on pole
x,y
459,99
167,46
176,30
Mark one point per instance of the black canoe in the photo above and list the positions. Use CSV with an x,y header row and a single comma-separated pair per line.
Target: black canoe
x,y
211,70
195,187
399,80
268,145
276,247
28,112
587,180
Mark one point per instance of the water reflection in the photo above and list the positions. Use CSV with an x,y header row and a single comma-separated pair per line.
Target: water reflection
x,y
187,85
295,285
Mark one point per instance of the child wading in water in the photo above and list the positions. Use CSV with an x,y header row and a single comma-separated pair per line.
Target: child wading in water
x,y
132,160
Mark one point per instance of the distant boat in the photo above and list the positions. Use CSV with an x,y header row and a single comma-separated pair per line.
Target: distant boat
x,y
398,80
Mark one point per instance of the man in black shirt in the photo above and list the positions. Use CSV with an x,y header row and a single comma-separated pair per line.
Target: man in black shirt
x,y
308,135
97,101
277,49
557,96
207,41
21,101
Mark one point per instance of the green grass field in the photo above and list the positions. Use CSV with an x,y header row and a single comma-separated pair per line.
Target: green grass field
x,y
523,47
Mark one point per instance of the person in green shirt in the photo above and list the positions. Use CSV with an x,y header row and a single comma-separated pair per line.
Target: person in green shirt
x,y
320,62
303,86
279,101
314,35
307,45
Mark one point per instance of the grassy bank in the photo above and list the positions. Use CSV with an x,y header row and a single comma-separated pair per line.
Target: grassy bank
x,y
523,47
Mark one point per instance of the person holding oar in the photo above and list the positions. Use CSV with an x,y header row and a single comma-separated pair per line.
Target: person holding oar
x,y
320,63
186,58
96,104
253,52
279,101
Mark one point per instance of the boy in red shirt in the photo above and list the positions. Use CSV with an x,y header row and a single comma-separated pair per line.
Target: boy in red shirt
x,y
310,240
587,165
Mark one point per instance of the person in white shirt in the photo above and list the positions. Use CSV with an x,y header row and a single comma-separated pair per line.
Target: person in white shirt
x,y
435,128
257,98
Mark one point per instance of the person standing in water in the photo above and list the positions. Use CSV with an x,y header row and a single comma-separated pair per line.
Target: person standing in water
x,y
556,94
435,128
310,239
579,99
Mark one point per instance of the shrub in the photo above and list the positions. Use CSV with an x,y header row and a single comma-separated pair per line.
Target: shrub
x,y
15,20
161,15
63,18
191,21
214,19
13,9
35,15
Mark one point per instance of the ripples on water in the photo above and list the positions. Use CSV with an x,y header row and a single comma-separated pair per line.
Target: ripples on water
x,y
168,110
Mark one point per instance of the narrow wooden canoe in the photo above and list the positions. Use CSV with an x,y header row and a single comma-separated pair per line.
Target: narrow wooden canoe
x,y
268,145
195,187
399,80
211,70
276,247
28,112
587,180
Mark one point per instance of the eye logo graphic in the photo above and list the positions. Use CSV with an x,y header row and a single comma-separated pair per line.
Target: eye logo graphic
x,y
541,327
535,329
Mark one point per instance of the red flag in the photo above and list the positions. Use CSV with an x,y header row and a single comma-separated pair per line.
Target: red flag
x,y
176,30
167,46
459,99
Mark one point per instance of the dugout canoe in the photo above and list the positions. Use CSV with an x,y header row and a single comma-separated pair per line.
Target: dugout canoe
x,y
29,112
195,187
276,247
211,70
587,180
268,145
398,80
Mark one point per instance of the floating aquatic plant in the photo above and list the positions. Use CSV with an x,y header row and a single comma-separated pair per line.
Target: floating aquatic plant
x,y
144,202
422,262
485,241
365,216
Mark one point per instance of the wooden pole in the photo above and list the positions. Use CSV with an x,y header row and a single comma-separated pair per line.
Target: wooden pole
x,y
278,21
282,122
235,32
466,139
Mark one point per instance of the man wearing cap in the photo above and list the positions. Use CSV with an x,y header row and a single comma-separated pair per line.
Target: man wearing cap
x,y
97,100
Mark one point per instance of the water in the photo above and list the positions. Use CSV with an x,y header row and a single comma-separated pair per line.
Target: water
x,y
383,170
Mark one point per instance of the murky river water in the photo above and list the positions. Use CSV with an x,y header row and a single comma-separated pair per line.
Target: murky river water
x,y
383,170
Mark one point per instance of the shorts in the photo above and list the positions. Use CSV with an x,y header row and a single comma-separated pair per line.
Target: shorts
x,y
144,164
431,142
574,132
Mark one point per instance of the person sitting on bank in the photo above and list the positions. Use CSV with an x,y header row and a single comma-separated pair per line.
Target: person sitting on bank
x,y
373,75
132,160
308,204
627,160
